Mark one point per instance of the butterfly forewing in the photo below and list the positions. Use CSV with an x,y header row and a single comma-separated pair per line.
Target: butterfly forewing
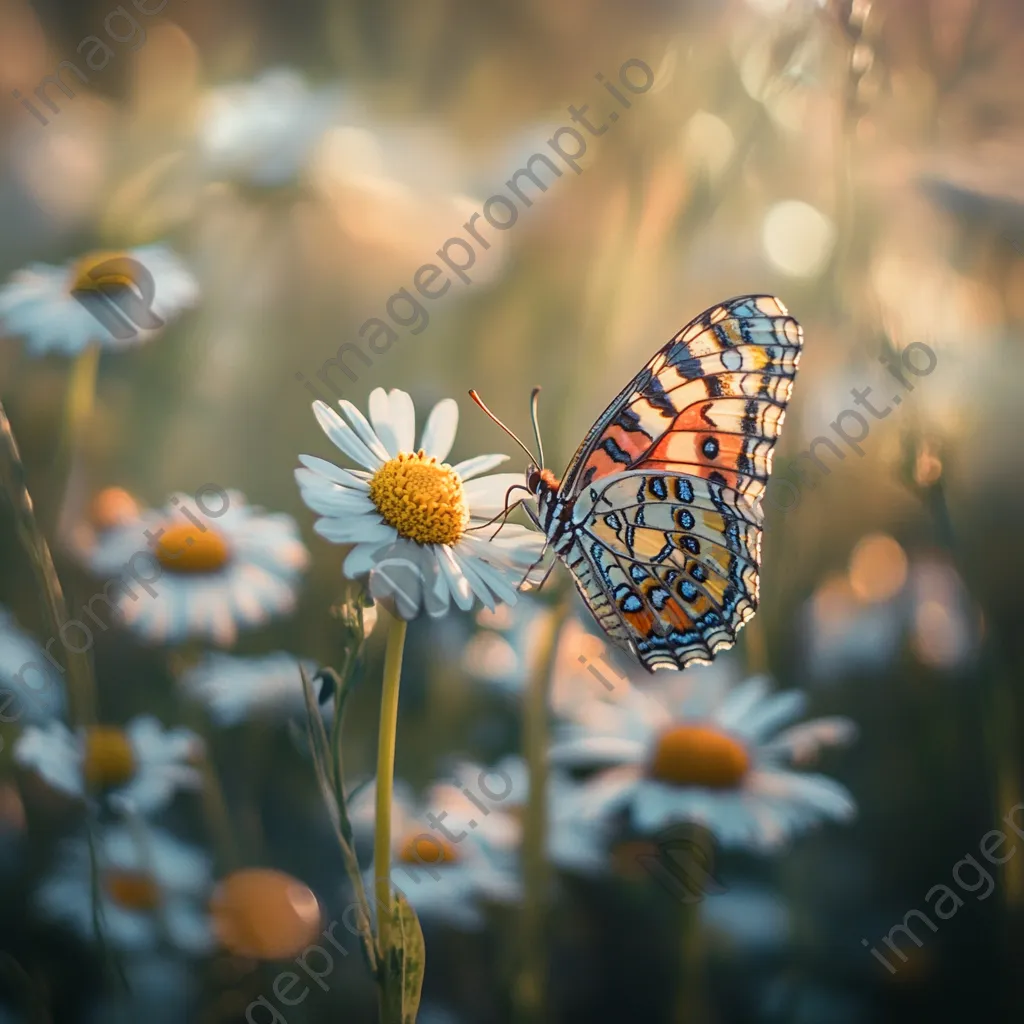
x,y
666,488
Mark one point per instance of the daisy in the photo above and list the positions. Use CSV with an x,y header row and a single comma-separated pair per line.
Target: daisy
x,y
263,132
62,309
235,690
142,765
444,871
236,566
151,888
718,760
31,689
492,802
410,516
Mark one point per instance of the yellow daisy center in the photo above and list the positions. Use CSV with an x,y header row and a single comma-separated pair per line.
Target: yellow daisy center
x,y
108,759
423,499
84,277
264,914
185,548
134,890
698,755
424,849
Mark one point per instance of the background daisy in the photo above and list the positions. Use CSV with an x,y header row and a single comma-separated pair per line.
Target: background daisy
x,y
211,574
236,689
728,766
143,765
59,309
152,890
444,878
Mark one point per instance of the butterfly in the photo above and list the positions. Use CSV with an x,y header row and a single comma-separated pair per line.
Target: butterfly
x,y
658,516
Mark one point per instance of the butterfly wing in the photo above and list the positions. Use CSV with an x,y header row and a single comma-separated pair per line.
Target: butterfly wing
x,y
667,486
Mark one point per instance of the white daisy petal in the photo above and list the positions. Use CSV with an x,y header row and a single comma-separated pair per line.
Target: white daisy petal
x,y
487,494
459,586
775,711
403,419
345,477
363,430
399,580
366,529
439,433
360,560
801,743
333,500
480,464
476,582
741,701
344,437
595,750
380,417
492,576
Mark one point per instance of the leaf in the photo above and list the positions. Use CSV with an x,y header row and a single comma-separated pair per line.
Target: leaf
x,y
403,981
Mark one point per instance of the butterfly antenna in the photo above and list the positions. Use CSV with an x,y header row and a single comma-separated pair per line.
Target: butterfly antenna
x,y
534,397
479,401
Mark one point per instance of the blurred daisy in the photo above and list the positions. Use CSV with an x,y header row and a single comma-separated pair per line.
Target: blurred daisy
x,y
263,132
443,870
152,889
113,299
142,764
717,760
237,689
411,517
236,567
495,799
31,689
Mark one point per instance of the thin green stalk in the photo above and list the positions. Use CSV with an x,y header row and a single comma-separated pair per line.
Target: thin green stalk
x,y
215,810
531,985
385,786
347,844
80,686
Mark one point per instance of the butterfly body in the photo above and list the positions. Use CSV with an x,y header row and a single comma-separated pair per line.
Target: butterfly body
x,y
658,516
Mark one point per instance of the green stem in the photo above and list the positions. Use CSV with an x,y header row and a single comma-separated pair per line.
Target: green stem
x,y
690,1006
81,396
385,786
531,985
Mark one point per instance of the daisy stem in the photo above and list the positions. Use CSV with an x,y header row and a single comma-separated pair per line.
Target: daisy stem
x,y
385,786
530,989
81,396
690,1007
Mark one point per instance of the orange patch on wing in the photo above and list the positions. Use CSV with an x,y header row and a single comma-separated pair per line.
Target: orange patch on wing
x,y
632,442
642,622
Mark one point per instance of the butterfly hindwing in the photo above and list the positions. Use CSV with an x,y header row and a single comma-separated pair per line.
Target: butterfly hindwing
x,y
666,488
679,567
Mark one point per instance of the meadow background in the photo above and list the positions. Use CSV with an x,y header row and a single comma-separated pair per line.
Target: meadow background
x,y
863,162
